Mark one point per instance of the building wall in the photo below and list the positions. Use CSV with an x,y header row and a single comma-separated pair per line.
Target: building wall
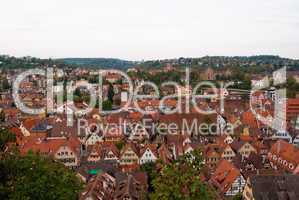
x,y
67,157
129,157
246,149
228,154
93,139
110,156
148,156
247,192
237,186
94,157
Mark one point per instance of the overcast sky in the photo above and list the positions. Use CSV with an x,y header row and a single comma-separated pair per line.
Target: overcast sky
x,y
149,29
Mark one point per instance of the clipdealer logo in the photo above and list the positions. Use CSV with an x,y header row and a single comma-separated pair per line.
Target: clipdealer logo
x,y
278,122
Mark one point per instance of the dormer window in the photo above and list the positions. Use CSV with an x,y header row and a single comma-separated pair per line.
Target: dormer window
x,y
285,163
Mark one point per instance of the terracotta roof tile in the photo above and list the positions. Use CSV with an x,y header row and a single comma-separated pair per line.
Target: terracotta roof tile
x,y
224,176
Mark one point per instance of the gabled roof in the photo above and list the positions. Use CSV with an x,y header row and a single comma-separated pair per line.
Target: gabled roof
x,y
237,145
128,188
151,147
132,146
286,151
97,187
253,159
110,148
225,175
103,148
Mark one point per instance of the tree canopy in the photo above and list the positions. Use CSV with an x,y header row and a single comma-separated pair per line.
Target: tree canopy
x,y
36,177
5,137
181,180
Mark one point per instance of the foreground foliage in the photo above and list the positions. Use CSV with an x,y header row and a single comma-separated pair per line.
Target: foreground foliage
x,y
36,177
5,137
181,180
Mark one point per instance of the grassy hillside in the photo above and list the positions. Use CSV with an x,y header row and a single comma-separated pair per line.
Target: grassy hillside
x,y
98,62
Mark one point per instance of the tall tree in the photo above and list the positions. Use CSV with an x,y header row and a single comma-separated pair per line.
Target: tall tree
x,y
181,180
2,116
5,137
110,93
5,84
107,105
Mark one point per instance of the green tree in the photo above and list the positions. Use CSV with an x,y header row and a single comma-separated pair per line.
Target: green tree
x,y
36,177
77,92
2,116
151,171
110,92
107,105
237,197
5,137
5,84
119,145
181,180
292,87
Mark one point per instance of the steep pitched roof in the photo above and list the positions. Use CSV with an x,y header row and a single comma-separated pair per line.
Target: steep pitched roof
x,y
101,187
151,147
225,175
237,144
286,151
129,188
132,146
110,148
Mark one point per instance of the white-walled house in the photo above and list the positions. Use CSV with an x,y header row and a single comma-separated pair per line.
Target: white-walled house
x,y
148,154
236,187
228,179
67,156
93,138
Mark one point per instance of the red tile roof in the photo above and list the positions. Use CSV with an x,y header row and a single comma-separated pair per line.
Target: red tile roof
x,y
50,146
282,151
225,175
